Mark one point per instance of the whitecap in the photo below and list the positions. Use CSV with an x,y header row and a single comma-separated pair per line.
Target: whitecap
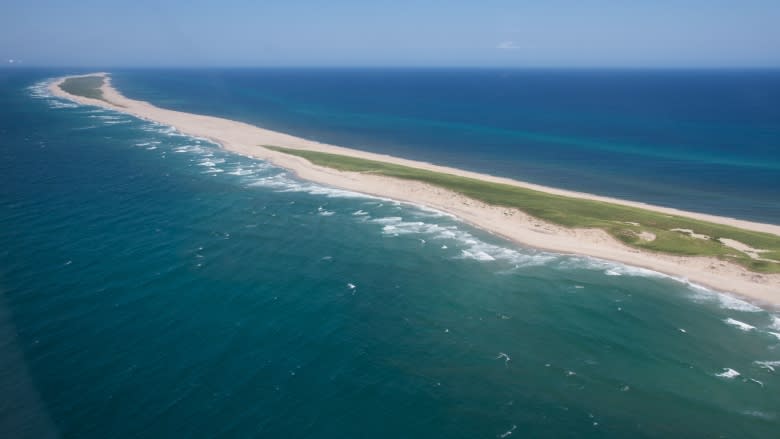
x,y
508,432
241,171
447,234
413,227
477,255
731,302
40,90
503,355
471,247
189,148
728,373
768,365
758,414
701,294
107,117
607,267
741,325
283,183
53,103
211,162
387,220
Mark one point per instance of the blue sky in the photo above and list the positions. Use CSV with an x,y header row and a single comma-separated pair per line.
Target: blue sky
x,y
518,33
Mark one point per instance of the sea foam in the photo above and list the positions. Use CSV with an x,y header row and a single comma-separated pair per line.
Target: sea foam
x,y
40,90
741,325
768,365
728,373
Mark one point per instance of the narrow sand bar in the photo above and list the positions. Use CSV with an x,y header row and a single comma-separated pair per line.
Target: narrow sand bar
x,y
510,223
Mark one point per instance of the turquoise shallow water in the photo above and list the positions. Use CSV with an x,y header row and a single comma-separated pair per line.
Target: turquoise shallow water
x,y
152,285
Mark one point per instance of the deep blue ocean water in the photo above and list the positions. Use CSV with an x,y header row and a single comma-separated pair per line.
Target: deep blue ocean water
x,y
152,285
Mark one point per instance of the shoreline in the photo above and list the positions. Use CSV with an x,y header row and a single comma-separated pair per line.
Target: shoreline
x,y
508,223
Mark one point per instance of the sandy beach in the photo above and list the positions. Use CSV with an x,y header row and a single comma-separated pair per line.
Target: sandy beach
x,y
509,223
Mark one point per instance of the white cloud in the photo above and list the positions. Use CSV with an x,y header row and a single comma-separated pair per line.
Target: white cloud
x,y
507,45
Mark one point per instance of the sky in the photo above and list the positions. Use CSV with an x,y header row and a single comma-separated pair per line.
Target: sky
x,y
476,33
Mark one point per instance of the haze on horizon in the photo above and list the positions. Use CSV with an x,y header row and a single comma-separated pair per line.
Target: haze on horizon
x,y
503,33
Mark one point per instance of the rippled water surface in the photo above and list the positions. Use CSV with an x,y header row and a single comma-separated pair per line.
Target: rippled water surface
x,y
154,285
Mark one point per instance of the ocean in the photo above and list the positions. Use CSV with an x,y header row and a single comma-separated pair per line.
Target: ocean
x,y
706,141
154,285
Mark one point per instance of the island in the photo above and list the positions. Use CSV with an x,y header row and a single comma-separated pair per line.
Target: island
x,y
727,254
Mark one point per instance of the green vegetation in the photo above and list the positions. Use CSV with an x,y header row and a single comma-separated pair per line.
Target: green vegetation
x,y
86,86
623,222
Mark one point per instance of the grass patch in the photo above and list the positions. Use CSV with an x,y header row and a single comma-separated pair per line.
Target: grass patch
x,y
86,86
573,212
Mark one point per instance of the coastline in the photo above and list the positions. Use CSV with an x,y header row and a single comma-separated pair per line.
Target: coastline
x,y
509,223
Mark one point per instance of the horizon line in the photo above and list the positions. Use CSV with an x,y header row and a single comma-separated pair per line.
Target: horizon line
x,y
19,66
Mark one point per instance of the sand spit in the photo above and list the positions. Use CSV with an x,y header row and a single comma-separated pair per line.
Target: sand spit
x,y
513,224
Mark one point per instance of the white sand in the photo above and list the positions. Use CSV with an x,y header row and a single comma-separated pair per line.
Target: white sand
x,y
515,225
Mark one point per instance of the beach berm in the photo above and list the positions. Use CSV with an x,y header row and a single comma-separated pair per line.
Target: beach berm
x,y
632,225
